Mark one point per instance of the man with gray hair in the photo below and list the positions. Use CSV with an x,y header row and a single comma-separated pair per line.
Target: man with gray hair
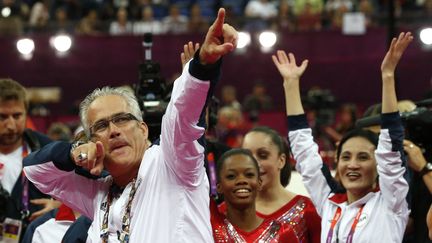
x,y
155,193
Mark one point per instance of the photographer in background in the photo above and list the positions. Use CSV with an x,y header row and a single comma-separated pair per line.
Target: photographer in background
x,y
23,202
421,189
320,105
417,148
418,125
258,100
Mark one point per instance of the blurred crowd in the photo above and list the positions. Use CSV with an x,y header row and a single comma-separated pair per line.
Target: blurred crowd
x,y
135,17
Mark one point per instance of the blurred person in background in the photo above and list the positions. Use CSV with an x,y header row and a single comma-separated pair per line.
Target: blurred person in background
x,y
337,17
229,97
62,23
428,9
334,10
259,14
89,24
367,8
229,127
421,189
147,23
11,23
121,26
59,131
197,23
175,22
258,100
345,122
39,16
24,201
316,6
73,8
308,19
285,20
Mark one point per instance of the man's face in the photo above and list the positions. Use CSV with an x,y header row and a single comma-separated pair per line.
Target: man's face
x,y
12,122
124,139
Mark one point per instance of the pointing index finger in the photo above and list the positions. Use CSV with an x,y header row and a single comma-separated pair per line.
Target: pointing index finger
x,y
219,22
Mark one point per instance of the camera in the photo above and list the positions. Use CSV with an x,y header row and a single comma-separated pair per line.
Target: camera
x,y
418,126
151,90
323,102
417,123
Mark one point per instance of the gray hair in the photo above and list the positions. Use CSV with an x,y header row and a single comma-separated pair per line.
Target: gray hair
x,y
126,94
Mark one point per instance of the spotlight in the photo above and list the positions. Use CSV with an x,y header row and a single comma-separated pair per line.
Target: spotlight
x,y
25,46
426,36
244,39
62,43
267,39
6,12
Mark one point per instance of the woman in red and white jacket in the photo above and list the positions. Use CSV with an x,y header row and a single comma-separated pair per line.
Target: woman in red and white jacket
x,y
374,206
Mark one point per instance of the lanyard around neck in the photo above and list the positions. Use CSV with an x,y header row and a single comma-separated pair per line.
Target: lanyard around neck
x,y
25,198
25,212
212,171
123,236
335,220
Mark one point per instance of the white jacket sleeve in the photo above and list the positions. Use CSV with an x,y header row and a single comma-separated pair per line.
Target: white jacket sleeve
x,y
76,191
181,130
51,170
390,163
309,162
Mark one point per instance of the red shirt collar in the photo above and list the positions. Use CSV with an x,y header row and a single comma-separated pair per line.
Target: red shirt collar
x,y
64,213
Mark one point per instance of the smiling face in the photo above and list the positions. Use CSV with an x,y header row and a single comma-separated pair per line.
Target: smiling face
x,y
125,142
268,156
357,167
239,181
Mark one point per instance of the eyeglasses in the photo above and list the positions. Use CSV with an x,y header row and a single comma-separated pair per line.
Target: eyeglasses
x,y
119,120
